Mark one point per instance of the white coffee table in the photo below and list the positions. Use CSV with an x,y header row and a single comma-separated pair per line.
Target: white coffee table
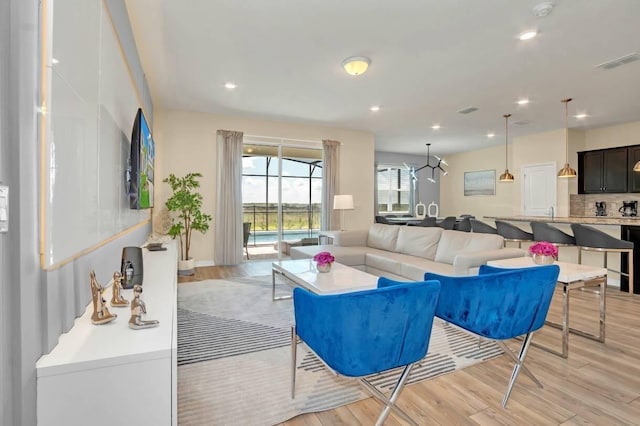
x,y
303,273
572,276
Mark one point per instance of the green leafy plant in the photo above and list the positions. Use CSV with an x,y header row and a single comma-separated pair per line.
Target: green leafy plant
x,y
186,201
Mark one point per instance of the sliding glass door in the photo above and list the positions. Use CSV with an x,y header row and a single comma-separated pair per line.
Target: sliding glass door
x,y
281,193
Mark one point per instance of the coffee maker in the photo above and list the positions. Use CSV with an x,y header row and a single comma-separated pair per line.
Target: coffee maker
x,y
601,208
629,208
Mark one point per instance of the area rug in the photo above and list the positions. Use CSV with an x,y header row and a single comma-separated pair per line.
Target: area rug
x,y
234,357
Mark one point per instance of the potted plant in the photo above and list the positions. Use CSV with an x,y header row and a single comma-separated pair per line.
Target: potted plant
x,y
186,202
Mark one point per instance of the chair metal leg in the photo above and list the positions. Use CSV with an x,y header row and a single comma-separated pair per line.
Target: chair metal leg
x,y
294,351
390,403
519,364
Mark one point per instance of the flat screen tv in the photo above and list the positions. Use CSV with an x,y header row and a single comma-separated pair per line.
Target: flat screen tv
x,y
143,152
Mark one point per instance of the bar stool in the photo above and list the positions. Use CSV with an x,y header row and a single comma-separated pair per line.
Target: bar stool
x,y
512,233
591,239
545,232
481,227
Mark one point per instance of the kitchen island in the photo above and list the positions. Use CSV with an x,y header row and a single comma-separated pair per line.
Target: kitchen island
x,y
625,228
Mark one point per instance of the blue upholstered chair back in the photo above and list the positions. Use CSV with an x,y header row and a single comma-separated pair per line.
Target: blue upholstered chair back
x,y
366,332
497,303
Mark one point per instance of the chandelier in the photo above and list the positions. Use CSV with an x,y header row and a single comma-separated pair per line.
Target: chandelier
x,y
437,166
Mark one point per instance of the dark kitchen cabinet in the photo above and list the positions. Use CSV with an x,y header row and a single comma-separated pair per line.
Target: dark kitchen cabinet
x,y
634,177
603,170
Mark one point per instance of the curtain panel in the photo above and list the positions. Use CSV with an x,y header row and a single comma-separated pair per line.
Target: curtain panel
x,y
228,218
330,175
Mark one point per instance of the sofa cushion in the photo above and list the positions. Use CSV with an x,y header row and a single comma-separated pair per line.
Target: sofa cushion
x,y
418,241
415,268
453,242
385,260
382,236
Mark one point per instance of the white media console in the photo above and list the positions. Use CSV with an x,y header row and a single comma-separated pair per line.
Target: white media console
x,y
110,374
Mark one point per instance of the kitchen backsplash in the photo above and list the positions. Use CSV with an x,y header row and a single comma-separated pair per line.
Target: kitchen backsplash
x,y
585,204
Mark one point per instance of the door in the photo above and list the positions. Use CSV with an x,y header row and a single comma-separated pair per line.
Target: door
x,y
281,192
538,189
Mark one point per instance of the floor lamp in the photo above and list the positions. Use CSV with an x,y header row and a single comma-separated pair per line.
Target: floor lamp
x,y
342,203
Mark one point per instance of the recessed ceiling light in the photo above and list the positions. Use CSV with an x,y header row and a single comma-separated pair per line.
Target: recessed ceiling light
x,y
523,101
230,85
528,35
54,61
491,135
436,127
374,108
579,116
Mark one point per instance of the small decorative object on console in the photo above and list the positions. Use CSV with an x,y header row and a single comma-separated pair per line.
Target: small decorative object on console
x,y
117,300
543,253
101,314
138,309
323,260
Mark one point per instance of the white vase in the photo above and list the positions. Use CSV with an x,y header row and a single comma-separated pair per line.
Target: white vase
x,y
542,259
323,267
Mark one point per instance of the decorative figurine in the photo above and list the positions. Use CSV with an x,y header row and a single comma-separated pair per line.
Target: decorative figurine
x,y
101,314
138,309
117,299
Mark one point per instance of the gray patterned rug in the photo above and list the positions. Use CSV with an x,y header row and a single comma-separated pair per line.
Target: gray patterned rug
x,y
234,355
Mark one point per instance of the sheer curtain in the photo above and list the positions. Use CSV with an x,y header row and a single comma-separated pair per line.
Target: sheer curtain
x,y
331,164
228,217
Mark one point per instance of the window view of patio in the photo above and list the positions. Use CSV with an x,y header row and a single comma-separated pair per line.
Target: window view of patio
x,y
394,189
295,211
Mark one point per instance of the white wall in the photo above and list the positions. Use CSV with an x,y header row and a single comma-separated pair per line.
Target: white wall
x,y
185,142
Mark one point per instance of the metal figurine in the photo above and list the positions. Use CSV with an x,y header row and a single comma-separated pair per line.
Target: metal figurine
x,y
138,309
101,314
117,300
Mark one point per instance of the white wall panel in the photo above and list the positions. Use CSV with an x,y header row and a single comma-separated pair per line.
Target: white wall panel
x,y
92,103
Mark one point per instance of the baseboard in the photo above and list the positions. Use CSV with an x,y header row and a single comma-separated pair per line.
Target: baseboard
x,y
200,263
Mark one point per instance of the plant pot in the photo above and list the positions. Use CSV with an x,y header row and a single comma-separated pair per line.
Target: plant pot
x,y
541,259
187,267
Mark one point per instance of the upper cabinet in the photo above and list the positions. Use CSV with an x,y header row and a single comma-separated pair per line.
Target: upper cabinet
x,y
605,171
634,177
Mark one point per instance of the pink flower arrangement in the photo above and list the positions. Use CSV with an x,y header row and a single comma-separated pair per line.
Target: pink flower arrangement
x,y
544,248
323,258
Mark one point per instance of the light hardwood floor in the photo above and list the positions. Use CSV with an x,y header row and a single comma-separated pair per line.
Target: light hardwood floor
x,y
599,384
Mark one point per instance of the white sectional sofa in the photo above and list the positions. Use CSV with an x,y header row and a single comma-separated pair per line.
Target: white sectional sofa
x,y
407,252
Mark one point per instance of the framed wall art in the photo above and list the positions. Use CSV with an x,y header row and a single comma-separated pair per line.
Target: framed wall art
x,y
482,182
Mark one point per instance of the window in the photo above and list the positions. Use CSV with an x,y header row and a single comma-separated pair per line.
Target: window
x,y
394,189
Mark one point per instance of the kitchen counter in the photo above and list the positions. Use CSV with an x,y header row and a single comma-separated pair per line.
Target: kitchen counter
x,y
586,220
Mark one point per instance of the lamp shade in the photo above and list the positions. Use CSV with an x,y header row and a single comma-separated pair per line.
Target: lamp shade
x,y
356,65
343,202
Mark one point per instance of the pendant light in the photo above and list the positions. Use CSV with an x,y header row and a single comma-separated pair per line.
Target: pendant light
x,y
506,176
566,171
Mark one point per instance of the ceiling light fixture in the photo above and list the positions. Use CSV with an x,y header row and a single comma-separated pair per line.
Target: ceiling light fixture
x,y
230,85
528,35
491,135
54,61
523,101
580,116
566,171
374,108
356,65
436,127
506,176
433,168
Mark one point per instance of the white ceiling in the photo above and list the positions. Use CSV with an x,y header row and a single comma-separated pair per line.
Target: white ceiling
x,y
429,59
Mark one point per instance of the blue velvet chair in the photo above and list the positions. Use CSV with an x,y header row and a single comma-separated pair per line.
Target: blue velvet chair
x,y
499,304
361,333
